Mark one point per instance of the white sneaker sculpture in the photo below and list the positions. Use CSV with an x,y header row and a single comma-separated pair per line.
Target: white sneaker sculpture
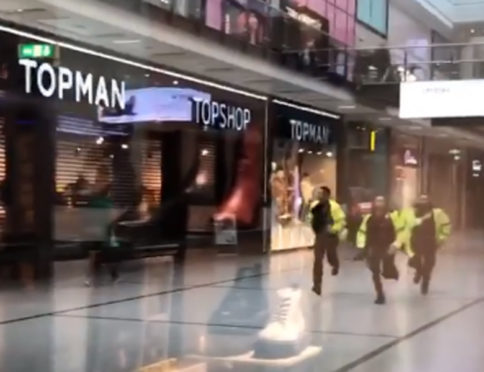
x,y
284,336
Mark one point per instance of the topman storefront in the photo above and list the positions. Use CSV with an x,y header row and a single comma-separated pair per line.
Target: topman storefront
x,y
95,148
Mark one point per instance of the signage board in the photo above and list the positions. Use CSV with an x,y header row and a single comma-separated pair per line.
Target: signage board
x,y
304,127
33,50
441,99
60,81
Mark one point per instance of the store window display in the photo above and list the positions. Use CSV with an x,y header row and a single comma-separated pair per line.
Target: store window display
x,y
140,154
245,19
304,158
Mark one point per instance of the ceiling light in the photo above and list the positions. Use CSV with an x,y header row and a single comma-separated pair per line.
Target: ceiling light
x,y
310,152
127,41
205,152
175,82
125,146
454,151
329,154
100,140
319,153
472,31
301,151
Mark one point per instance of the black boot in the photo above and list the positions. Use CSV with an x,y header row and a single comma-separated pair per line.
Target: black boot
x,y
380,299
380,296
425,287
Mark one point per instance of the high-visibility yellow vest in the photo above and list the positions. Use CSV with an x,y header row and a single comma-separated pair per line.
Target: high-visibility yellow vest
x,y
338,227
361,235
443,227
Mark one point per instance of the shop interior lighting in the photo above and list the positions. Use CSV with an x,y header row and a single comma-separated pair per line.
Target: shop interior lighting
x,y
310,152
320,153
132,63
175,82
205,152
111,156
99,140
301,151
125,146
454,151
329,154
457,157
472,30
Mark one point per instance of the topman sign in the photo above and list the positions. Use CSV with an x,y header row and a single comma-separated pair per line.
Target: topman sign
x,y
62,81
308,132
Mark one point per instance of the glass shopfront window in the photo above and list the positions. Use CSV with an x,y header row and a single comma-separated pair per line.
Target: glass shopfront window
x,y
303,158
138,156
374,13
340,15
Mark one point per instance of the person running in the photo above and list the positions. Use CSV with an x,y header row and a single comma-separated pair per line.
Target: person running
x,y
429,228
377,236
329,224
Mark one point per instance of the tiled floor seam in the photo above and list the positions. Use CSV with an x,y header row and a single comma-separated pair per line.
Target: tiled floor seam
x,y
380,350
220,325
139,297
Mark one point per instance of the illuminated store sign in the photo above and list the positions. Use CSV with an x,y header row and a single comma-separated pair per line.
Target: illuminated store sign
x,y
60,81
221,115
442,99
36,51
307,132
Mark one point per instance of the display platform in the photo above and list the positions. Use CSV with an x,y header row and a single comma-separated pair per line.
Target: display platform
x,y
247,363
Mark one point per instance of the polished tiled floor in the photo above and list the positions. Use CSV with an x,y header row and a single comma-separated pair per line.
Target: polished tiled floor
x,y
207,314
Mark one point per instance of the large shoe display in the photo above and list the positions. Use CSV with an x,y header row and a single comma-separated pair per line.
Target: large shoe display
x,y
284,336
229,333
242,202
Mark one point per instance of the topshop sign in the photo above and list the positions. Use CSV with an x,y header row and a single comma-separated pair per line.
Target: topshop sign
x,y
221,115
61,81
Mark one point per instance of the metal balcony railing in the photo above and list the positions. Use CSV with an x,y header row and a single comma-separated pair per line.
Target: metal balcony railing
x,y
296,41
392,65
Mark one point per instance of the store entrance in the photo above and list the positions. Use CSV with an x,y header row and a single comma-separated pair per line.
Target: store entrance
x,y
27,189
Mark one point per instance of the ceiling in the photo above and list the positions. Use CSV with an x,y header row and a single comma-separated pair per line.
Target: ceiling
x,y
457,11
161,44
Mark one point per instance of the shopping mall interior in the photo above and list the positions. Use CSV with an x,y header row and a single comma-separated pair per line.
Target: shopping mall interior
x,y
241,185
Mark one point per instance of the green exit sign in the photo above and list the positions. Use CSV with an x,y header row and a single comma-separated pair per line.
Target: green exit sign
x,y
36,51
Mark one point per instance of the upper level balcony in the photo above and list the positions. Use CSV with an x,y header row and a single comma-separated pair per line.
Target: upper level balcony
x,y
377,72
295,50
